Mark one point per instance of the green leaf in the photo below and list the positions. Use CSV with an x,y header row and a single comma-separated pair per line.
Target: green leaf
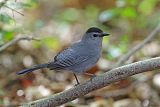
x,y
52,42
69,15
30,4
124,38
6,36
129,12
147,6
5,18
92,12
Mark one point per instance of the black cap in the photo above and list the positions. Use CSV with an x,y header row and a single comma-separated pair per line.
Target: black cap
x,y
94,29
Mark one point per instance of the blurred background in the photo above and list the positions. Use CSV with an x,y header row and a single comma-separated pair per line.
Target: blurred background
x,y
57,24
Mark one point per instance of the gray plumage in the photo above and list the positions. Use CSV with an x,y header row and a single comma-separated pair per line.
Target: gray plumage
x,y
79,57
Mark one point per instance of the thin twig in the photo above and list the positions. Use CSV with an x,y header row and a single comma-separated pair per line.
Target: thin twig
x,y
97,83
14,41
13,10
147,40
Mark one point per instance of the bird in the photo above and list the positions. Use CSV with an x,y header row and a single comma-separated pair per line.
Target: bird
x,y
79,57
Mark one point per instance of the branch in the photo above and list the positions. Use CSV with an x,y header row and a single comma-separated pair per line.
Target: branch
x,y
13,10
97,83
14,41
148,39
3,4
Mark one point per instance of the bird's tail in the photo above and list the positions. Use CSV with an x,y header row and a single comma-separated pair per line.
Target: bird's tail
x,y
33,68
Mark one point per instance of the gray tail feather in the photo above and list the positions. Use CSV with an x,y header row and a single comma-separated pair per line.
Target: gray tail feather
x,y
32,69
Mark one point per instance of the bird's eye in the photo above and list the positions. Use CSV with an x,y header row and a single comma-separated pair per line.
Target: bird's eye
x,y
95,35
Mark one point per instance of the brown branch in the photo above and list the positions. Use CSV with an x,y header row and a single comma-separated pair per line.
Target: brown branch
x,y
14,41
147,40
97,83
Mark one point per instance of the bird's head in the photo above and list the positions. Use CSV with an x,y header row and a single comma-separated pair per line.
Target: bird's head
x,y
94,34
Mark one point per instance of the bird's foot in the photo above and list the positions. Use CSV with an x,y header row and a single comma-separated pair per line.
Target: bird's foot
x,y
77,84
91,75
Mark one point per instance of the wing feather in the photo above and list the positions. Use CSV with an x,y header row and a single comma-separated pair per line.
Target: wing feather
x,y
67,58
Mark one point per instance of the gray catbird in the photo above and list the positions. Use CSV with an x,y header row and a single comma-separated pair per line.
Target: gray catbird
x,y
79,57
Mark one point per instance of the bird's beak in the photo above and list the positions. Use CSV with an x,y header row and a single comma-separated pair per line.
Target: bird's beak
x,y
104,34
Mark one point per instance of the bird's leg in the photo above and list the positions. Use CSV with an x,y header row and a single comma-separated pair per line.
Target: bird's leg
x,y
76,79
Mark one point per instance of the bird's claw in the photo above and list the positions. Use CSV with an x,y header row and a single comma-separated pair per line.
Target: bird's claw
x,y
77,84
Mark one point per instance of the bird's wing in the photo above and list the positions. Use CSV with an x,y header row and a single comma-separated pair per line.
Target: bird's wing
x,y
67,58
